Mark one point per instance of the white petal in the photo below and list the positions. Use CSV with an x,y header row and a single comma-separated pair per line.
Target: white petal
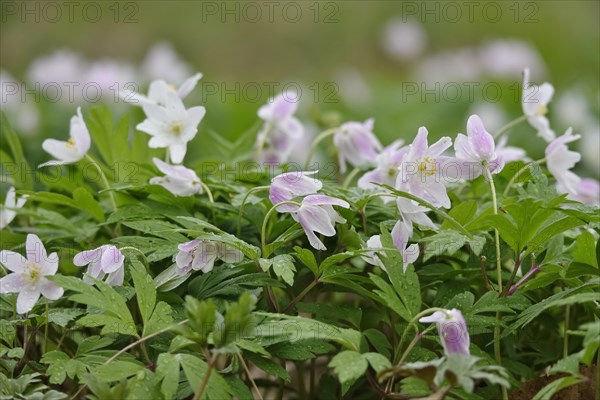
x,y
27,299
12,261
188,85
11,283
36,251
50,290
49,265
61,150
177,152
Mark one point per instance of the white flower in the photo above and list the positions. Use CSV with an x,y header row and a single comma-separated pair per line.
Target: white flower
x,y
452,330
386,171
179,180
400,236
316,214
104,261
356,144
535,106
157,92
200,255
72,150
423,168
476,149
28,277
171,126
560,160
588,192
289,185
11,203
281,131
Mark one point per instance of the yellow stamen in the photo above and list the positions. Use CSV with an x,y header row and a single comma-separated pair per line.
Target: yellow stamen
x,y
542,109
70,143
32,273
176,128
428,166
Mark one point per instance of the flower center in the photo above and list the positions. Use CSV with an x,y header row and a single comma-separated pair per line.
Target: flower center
x,y
427,166
542,109
32,273
172,87
176,128
70,143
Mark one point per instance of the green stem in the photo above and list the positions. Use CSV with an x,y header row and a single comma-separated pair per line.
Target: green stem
x,y
46,328
104,180
313,147
511,124
241,213
249,375
207,375
129,347
566,335
301,295
413,344
497,348
350,177
411,323
518,174
263,236
208,192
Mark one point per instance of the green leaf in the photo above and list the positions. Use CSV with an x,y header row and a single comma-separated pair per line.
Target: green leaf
x,y
144,288
377,361
238,321
167,370
117,370
584,249
250,251
86,202
195,370
308,258
162,316
283,266
292,329
349,366
116,318
582,294
555,386
270,367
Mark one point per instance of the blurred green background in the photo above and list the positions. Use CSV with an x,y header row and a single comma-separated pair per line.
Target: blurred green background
x,y
347,43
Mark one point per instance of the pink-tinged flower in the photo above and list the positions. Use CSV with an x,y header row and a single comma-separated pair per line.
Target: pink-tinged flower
x,y
200,255
179,180
104,261
588,192
452,329
158,90
413,213
535,106
171,126
28,277
521,281
423,170
476,149
400,236
72,150
316,214
289,185
386,171
356,144
560,160
11,204
281,131
510,153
